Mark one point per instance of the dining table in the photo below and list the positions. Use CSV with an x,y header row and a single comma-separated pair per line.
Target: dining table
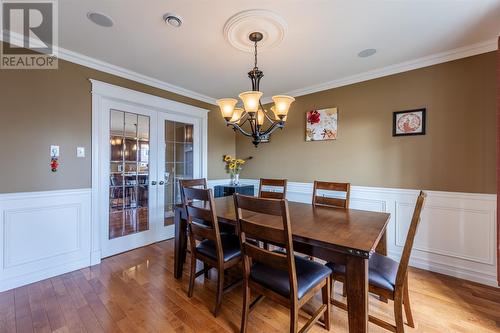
x,y
343,236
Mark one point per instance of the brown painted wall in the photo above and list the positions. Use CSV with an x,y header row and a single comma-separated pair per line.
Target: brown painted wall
x,y
457,154
43,107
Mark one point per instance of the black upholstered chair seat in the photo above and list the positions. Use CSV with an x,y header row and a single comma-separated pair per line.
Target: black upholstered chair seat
x,y
309,274
230,247
223,228
382,271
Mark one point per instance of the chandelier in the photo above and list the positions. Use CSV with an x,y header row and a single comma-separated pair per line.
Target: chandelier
x,y
262,123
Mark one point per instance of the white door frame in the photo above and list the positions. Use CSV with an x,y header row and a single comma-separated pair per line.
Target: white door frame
x,y
102,92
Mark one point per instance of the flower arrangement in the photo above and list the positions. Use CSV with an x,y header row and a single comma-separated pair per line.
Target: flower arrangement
x,y
234,166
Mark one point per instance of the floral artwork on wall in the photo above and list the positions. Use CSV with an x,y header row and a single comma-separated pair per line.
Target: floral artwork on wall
x,y
321,124
411,122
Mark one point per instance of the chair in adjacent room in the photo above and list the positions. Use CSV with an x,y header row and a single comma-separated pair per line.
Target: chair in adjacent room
x,y
279,275
215,250
388,278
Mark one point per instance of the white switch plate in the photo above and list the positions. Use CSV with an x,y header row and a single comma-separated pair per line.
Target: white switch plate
x,y
80,152
54,151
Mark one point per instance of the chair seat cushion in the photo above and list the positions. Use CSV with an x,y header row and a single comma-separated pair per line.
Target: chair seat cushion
x,y
230,247
309,274
382,271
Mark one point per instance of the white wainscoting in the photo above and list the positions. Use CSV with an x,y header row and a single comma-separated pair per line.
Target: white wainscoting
x,y
43,234
457,234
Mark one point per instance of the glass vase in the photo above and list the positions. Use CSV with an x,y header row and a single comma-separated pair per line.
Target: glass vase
x,y
235,179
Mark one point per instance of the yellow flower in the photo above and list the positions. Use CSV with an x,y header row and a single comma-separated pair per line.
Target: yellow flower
x,y
227,158
232,166
233,160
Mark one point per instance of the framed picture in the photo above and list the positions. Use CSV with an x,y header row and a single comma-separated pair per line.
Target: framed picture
x,y
321,124
410,122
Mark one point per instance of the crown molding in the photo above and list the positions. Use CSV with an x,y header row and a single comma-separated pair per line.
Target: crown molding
x,y
434,59
106,67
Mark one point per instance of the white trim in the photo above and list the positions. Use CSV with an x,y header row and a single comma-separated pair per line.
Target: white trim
x,y
139,98
106,96
42,258
433,59
106,67
474,259
43,194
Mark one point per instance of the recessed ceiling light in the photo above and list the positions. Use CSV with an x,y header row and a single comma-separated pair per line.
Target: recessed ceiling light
x,y
172,19
367,53
100,19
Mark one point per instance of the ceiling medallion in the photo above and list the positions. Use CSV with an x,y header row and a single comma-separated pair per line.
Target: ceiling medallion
x,y
262,123
272,27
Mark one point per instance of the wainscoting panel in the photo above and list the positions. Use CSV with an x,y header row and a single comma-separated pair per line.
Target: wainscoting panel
x,y
43,234
456,235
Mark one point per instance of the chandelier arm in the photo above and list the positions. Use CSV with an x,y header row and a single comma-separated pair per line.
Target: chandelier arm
x,y
238,127
274,127
265,112
239,121
253,126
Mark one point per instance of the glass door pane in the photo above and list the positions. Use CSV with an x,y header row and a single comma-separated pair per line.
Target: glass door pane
x,y
179,163
129,173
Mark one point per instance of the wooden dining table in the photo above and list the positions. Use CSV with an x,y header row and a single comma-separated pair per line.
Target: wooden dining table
x,y
344,236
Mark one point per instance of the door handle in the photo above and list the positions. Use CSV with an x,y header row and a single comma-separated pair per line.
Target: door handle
x,y
162,182
153,182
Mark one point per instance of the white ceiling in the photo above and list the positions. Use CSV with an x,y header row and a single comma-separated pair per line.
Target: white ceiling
x,y
321,45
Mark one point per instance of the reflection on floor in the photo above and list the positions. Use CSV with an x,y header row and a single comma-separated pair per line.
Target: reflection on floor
x,y
136,292
128,221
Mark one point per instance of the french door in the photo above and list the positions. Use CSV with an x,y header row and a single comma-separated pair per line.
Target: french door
x,y
147,153
179,158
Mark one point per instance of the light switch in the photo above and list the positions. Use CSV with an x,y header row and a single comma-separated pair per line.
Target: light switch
x,y
80,152
54,151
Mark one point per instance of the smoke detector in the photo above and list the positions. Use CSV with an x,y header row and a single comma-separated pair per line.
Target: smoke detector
x,y
173,20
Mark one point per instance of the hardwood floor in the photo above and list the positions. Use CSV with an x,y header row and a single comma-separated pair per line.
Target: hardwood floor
x,y
136,292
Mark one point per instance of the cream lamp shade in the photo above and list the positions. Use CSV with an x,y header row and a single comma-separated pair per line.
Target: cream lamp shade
x,y
251,100
226,106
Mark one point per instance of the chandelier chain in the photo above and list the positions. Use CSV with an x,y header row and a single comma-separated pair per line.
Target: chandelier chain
x,y
255,54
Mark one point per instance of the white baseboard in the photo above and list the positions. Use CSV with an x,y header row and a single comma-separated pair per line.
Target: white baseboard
x,y
456,237
95,257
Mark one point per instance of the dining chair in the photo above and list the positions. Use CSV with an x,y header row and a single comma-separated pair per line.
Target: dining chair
x,y
388,278
280,183
279,275
328,201
202,183
331,201
196,183
215,250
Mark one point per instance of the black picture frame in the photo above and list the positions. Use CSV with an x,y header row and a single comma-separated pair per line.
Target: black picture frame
x,y
424,121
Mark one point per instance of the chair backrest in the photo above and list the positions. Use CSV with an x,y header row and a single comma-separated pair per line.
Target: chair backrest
x,y
271,225
201,217
275,183
410,237
196,183
329,201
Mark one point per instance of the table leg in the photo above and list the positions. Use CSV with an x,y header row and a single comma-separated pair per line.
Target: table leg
x,y
357,294
180,243
382,245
